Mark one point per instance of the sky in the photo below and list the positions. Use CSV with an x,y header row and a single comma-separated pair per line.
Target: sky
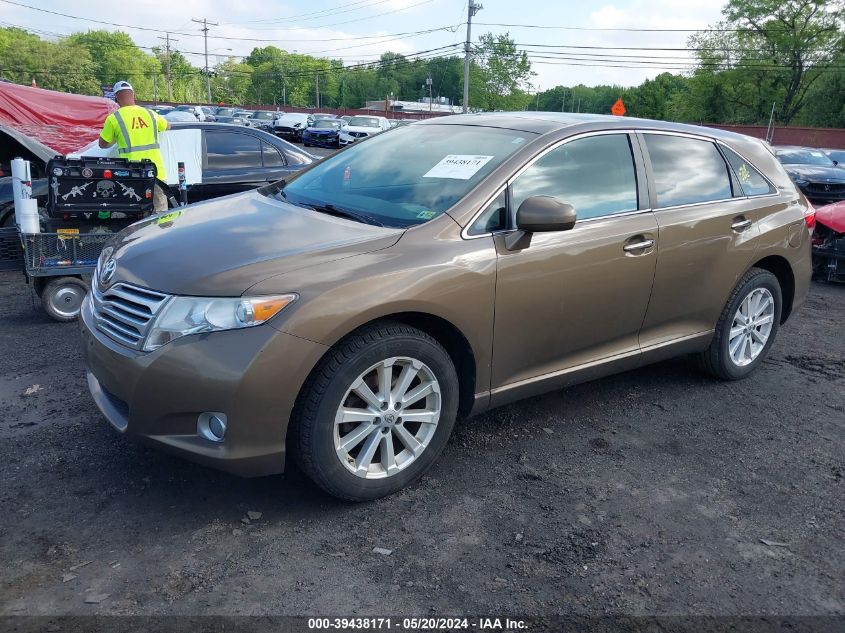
x,y
360,30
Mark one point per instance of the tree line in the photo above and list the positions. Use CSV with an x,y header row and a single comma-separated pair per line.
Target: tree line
x,y
767,58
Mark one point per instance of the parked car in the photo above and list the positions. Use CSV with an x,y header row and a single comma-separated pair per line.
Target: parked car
x,y
162,109
346,316
836,155
323,133
291,125
235,159
345,118
234,120
209,113
224,111
175,116
829,243
360,127
821,180
263,119
197,111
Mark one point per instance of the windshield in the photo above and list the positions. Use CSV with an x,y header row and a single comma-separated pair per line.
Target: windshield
x,y
803,157
327,124
407,177
364,121
264,116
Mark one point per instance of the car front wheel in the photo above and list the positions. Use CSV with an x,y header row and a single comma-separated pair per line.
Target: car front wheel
x,y
376,413
746,328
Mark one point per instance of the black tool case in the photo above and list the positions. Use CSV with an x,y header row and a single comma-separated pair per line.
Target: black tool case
x,y
100,189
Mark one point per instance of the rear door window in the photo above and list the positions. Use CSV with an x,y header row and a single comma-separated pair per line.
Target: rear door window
x,y
687,170
595,175
232,150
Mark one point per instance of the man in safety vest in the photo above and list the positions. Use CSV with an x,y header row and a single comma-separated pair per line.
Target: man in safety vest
x,y
135,130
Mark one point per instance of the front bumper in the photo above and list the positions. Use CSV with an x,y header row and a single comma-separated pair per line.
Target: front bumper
x,y
322,140
252,375
288,133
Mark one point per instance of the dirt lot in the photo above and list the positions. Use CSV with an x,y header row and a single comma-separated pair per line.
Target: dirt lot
x,y
654,492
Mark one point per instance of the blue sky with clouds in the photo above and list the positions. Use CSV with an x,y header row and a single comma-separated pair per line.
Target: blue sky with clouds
x,y
358,31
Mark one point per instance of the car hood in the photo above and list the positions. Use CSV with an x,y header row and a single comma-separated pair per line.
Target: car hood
x,y
224,246
817,173
832,216
361,128
318,130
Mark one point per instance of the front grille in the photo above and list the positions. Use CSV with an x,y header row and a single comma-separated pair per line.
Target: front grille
x,y
826,188
285,130
358,134
125,313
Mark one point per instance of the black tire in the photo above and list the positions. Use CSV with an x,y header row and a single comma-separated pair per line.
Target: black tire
x,y
716,359
312,437
62,298
307,144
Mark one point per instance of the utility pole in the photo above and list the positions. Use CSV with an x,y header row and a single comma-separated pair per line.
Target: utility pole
x,y
317,77
472,9
428,82
166,38
204,30
155,88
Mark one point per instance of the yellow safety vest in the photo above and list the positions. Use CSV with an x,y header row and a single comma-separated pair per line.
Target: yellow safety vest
x,y
137,136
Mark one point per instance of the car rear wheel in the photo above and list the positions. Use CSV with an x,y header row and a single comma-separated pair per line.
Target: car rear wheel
x,y
746,328
376,413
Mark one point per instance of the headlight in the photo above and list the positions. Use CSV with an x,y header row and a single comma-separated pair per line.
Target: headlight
x,y
297,125
193,315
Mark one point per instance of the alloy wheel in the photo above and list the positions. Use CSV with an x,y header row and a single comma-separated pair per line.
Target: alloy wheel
x,y
387,417
751,326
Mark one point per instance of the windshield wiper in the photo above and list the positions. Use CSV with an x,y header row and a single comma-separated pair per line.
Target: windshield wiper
x,y
330,209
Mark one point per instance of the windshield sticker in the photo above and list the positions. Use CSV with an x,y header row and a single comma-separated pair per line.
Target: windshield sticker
x,y
744,174
425,215
458,166
518,140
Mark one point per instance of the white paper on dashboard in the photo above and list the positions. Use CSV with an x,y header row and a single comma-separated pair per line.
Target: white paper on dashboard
x,y
458,166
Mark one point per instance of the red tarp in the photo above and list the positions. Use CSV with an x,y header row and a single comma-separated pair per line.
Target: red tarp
x,y
64,122
832,216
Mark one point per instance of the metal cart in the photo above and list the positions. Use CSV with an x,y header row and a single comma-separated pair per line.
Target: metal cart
x,y
60,266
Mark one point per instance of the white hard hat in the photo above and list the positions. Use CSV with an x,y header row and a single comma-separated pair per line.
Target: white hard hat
x,y
122,85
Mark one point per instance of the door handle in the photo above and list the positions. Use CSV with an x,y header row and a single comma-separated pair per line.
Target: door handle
x,y
638,246
740,224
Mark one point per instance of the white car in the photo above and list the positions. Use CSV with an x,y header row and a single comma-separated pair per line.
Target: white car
x,y
359,127
291,125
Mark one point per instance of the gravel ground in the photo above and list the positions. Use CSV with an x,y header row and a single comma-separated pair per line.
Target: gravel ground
x,y
657,491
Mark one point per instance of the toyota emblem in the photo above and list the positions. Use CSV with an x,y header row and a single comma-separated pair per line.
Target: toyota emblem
x,y
107,271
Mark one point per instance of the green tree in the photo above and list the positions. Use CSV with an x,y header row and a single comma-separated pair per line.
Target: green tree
x,y
773,50
500,74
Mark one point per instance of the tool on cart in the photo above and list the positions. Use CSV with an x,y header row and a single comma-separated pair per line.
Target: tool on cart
x,y
89,200
105,188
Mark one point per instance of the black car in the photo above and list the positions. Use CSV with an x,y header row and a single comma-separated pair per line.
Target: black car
x,y
818,177
836,155
235,159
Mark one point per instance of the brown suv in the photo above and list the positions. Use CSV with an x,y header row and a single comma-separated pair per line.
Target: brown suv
x,y
351,313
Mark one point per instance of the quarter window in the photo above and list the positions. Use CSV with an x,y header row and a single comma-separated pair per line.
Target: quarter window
x,y
687,171
493,218
232,150
272,157
750,180
594,174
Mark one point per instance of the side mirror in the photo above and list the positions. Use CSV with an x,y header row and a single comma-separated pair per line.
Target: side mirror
x,y
540,214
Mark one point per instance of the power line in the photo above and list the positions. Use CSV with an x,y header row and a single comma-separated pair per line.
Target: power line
x,y
316,14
